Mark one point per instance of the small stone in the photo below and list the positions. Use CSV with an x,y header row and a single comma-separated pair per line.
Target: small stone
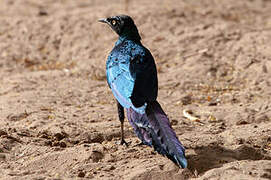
x,y
212,103
2,133
112,168
97,138
81,174
44,134
92,138
96,156
186,100
62,144
241,122
43,13
161,166
86,145
48,143
240,141
60,136
55,143
89,176
109,168
2,156
174,122
109,137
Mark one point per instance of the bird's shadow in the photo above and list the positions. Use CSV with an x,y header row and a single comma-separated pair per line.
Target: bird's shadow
x,y
214,156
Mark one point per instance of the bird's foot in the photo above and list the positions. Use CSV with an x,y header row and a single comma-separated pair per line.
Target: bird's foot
x,y
142,144
139,144
123,142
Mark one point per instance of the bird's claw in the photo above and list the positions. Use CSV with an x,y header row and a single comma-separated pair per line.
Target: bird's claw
x,y
123,142
139,144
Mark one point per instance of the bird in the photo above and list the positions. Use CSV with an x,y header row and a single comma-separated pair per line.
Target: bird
x,y
132,77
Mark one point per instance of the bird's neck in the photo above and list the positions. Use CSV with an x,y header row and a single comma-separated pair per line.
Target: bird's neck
x,y
130,35
127,38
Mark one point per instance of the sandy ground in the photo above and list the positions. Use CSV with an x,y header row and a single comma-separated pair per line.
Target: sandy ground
x,y
58,119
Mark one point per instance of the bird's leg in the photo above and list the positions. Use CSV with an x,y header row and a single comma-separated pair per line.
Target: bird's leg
x,y
121,118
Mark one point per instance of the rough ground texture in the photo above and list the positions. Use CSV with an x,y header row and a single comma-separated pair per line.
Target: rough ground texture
x,y
58,118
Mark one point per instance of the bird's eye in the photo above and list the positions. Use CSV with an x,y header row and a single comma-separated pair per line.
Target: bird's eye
x,y
113,22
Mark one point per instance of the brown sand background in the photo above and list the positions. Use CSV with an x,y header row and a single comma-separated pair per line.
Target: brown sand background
x,y
58,119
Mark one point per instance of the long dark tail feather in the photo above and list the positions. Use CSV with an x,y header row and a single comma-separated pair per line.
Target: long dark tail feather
x,y
153,129
139,122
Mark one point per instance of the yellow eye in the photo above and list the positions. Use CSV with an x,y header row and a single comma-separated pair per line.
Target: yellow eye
x,y
114,22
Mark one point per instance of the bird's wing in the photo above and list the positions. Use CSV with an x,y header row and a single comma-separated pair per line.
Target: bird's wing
x,y
119,78
132,77
143,69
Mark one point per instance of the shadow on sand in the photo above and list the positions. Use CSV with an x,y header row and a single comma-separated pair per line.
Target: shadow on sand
x,y
214,156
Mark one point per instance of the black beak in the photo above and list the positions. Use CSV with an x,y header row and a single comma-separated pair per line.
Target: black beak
x,y
103,20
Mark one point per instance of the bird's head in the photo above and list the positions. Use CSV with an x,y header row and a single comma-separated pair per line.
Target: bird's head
x,y
123,25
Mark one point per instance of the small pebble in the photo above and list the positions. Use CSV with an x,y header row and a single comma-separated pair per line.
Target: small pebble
x,y
62,144
2,156
55,143
96,156
242,122
43,13
2,133
81,174
60,136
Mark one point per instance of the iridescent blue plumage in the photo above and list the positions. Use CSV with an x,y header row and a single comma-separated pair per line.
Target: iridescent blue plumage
x,y
132,77
131,74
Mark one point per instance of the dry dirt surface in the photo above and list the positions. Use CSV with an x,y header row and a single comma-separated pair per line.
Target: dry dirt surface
x,y
58,118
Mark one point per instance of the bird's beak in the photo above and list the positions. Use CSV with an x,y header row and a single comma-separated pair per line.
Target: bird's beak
x,y
103,20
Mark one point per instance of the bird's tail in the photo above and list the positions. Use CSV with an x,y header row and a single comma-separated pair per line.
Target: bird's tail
x,y
154,129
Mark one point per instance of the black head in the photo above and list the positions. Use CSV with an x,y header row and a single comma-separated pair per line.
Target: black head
x,y
123,25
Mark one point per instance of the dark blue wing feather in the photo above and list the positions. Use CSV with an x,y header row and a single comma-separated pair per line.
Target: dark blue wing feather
x,y
146,83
